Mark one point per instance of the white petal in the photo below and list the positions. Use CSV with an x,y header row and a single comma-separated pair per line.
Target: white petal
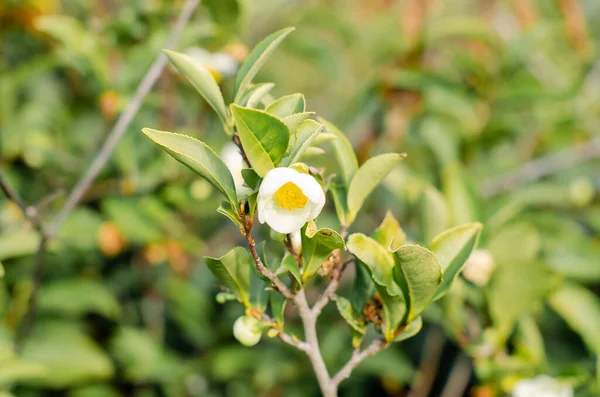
x,y
284,221
276,178
225,63
310,187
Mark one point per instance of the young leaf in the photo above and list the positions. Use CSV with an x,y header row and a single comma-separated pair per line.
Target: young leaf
x,y
203,81
389,234
338,192
256,59
287,105
264,137
581,310
278,303
347,312
317,244
419,275
251,178
343,152
303,137
197,156
452,249
410,330
378,259
233,270
226,209
366,179
290,264
293,121
255,94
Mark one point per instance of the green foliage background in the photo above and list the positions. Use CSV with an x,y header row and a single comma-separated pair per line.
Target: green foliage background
x,y
470,90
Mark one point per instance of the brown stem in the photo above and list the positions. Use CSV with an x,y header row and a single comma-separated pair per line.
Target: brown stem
x,y
357,357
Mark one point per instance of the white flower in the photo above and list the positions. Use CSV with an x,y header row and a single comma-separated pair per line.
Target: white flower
x,y
541,386
479,267
287,199
233,159
247,330
219,64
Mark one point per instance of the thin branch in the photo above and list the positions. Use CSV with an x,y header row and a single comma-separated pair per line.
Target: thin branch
x,y
430,361
357,357
459,377
262,269
122,124
331,288
541,167
287,338
29,212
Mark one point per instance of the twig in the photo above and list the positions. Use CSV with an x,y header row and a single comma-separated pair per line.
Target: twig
x,y
331,288
459,377
357,357
120,127
287,338
262,269
29,212
541,167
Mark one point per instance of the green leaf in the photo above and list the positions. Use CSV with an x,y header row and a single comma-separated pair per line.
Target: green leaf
x,y
581,310
461,201
233,270
452,248
410,330
76,298
226,209
347,312
394,311
363,289
317,244
251,178
293,121
287,105
517,289
340,200
197,156
301,140
389,234
278,303
256,59
203,81
224,12
289,263
69,356
19,243
378,259
433,213
343,152
419,275
255,94
264,138
259,291
368,176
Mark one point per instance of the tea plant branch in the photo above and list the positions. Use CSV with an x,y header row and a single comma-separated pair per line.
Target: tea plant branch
x,y
309,322
331,287
538,168
30,213
357,357
122,124
287,338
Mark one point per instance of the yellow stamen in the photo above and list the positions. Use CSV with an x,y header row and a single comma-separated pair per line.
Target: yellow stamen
x,y
290,197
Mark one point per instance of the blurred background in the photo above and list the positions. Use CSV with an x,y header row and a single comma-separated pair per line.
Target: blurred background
x,y
496,103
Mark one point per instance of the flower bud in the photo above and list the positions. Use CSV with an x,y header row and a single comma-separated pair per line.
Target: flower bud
x,y
296,241
479,267
247,330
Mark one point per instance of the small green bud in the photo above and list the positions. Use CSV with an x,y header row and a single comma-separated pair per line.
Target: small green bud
x,y
581,192
247,330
